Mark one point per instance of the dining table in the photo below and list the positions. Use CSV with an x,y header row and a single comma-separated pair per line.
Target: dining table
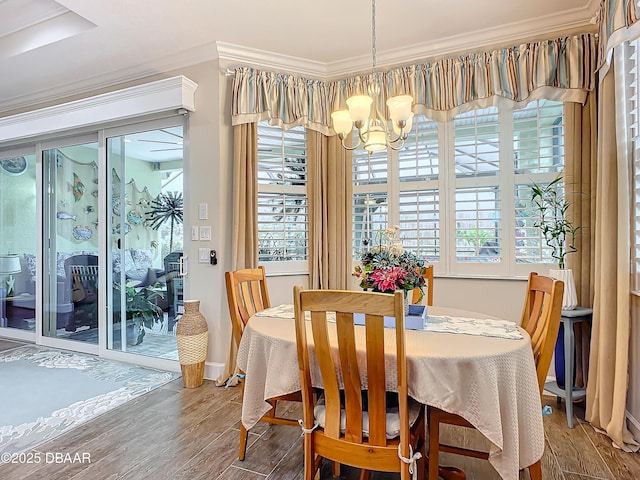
x,y
467,363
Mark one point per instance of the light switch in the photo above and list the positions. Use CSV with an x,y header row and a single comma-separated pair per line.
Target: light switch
x,y
194,233
203,255
203,211
205,233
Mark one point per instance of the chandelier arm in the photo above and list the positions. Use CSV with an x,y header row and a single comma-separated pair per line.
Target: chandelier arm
x,y
400,146
347,147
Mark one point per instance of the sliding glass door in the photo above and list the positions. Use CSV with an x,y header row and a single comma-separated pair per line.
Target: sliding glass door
x,y
145,240
91,241
70,256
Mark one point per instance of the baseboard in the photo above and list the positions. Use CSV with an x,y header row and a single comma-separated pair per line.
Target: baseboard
x,y
212,370
633,424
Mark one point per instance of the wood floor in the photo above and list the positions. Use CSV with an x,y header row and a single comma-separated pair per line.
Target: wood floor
x,y
177,433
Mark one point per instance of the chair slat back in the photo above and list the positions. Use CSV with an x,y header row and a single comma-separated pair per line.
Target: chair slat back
x,y
428,276
247,294
541,319
343,361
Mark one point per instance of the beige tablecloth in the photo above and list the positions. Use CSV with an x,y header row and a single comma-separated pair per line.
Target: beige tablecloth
x,y
489,381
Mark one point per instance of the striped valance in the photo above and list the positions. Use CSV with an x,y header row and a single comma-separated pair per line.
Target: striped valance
x,y
559,69
617,23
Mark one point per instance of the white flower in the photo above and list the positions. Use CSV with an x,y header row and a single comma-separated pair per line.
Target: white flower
x,y
397,249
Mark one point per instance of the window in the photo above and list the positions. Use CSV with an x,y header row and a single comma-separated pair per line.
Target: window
x,y
632,67
538,147
461,190
282,196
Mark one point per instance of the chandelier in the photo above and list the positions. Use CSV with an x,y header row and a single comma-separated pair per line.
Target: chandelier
x,y
363,112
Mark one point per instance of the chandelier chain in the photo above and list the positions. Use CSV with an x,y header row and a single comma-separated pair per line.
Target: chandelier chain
x,y
373,36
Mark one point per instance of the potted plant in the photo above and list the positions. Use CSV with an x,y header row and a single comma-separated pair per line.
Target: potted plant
x,y
558,232
142,309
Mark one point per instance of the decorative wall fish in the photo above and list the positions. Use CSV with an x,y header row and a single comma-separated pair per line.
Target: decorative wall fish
x,y
115,204
116,230
82,233
65,216
134,217
77,188
89,208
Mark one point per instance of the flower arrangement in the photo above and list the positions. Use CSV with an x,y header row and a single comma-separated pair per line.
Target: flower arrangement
x,y
387,267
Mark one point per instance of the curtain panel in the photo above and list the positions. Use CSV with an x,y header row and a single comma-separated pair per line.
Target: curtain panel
x,y
560,69
609,358
617,22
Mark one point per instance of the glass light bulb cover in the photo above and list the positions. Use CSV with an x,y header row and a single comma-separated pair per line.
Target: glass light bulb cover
x,y
400,107
342,123
376,139
407,127
359,107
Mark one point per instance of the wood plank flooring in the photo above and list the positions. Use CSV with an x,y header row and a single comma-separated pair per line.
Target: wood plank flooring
x,y
177,433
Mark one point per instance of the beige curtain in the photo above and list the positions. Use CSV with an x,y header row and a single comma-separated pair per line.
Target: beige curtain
x,y
330,216
609,360
245,212
580,177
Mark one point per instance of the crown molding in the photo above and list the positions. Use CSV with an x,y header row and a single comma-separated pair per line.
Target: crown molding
x,y
565,21
238,54
155,97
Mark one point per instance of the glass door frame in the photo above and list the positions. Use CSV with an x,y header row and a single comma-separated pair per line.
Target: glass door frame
x,y
42,339
105,219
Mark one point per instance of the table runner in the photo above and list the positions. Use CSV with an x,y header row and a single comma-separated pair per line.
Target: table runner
x,y
485,327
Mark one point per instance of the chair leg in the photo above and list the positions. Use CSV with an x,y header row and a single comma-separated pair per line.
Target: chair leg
x,y
365,474
243,442
434,444
310,467
535,470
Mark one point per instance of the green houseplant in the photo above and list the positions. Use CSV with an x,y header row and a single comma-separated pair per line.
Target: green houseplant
x,y
551,207
558,232
142,309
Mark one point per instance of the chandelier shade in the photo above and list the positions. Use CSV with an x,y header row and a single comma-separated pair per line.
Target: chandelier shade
x,y
362,112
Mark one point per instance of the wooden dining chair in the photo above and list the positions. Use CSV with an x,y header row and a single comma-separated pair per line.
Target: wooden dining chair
x,y
428,275
356,421
541,319
247,294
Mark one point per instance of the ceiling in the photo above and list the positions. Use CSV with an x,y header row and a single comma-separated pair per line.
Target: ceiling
x,y
50,49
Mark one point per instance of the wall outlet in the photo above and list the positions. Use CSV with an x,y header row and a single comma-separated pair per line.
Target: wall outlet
x,y
194,233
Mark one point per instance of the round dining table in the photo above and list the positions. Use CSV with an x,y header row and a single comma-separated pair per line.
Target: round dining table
x,y
488,380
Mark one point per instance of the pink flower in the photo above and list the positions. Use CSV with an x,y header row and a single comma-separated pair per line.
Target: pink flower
x,y
388,279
